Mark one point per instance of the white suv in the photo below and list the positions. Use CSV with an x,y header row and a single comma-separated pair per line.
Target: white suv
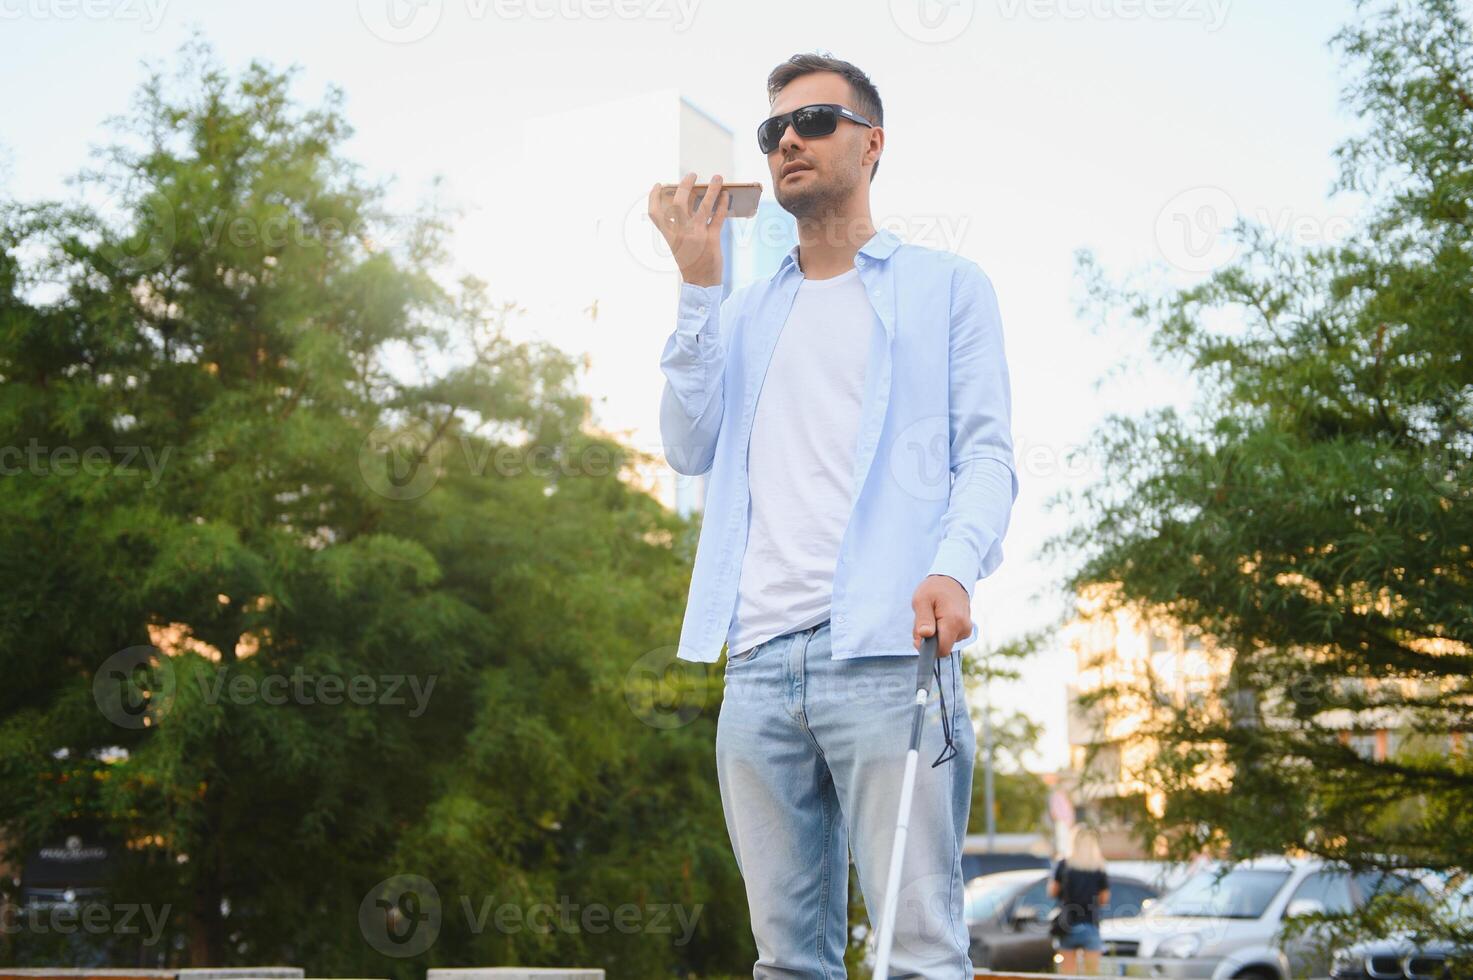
x,y
1225,925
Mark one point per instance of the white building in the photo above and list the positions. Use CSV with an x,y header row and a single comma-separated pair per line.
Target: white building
x,y
612,298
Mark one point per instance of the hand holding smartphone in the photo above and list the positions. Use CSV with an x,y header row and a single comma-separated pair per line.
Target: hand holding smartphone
x,y
690,216
744,196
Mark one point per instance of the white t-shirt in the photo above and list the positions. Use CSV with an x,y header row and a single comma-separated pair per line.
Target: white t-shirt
x,y
800,461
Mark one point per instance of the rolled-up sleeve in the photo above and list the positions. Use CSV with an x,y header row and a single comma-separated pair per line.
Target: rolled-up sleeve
x,y
984,478
693,363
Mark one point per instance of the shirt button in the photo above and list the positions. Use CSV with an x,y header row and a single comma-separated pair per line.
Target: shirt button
x,y
702,310
876,294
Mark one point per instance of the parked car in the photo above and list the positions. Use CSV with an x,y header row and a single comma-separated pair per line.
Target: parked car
x,y
1225,924
982,855
1007,917
1402,957
1163,875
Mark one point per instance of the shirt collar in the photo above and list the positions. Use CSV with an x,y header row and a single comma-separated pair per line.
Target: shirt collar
x,y
881,245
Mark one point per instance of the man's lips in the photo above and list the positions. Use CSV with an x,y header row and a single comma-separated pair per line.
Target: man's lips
x,y
794,167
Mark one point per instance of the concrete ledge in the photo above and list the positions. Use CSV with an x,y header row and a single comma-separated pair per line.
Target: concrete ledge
x,y
108,973
239,973
81,973
515,973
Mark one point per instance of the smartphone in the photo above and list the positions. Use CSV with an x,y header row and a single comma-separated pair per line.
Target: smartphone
x,y
744,197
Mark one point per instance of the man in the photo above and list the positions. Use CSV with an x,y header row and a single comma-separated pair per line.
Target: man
x,y
853,411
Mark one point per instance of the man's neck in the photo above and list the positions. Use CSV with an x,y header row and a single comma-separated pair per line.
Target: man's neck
x,y
827,245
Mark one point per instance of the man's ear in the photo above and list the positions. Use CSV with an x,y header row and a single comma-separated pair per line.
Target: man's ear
x,y
876,145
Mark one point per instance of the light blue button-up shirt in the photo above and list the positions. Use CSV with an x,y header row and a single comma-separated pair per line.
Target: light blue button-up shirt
x,y
933,461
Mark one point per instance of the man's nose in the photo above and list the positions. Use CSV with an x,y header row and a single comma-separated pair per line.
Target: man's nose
x,y
790,138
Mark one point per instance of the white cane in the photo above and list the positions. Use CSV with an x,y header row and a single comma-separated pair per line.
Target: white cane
x,y
926,663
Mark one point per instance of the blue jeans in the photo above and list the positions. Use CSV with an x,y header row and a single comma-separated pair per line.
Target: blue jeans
x,y
809,756
1084,935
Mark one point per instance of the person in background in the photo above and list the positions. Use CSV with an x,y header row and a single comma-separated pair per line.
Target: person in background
x,y
1082,888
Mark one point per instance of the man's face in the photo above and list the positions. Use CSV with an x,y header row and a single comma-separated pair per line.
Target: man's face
x,y
821,173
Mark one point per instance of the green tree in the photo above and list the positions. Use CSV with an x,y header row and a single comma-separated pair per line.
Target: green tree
x,y
1019,795
1314,511
394,603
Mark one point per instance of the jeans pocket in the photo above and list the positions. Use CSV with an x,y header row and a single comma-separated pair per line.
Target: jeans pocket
x,y
747,655
956,693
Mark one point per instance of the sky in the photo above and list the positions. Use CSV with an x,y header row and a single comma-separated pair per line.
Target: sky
x,y
1017,132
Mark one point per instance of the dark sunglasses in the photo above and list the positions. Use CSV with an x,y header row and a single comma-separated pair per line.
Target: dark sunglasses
x,y
819,119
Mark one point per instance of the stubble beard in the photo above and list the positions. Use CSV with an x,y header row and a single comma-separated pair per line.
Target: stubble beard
x,y
819,201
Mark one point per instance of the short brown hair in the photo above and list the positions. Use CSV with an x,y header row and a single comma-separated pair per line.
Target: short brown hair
x,y
866,96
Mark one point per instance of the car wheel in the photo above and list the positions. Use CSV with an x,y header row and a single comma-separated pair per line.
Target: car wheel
x,y
1255,973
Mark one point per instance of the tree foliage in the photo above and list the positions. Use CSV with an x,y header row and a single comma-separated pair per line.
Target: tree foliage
x,y
1313,512
395,600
